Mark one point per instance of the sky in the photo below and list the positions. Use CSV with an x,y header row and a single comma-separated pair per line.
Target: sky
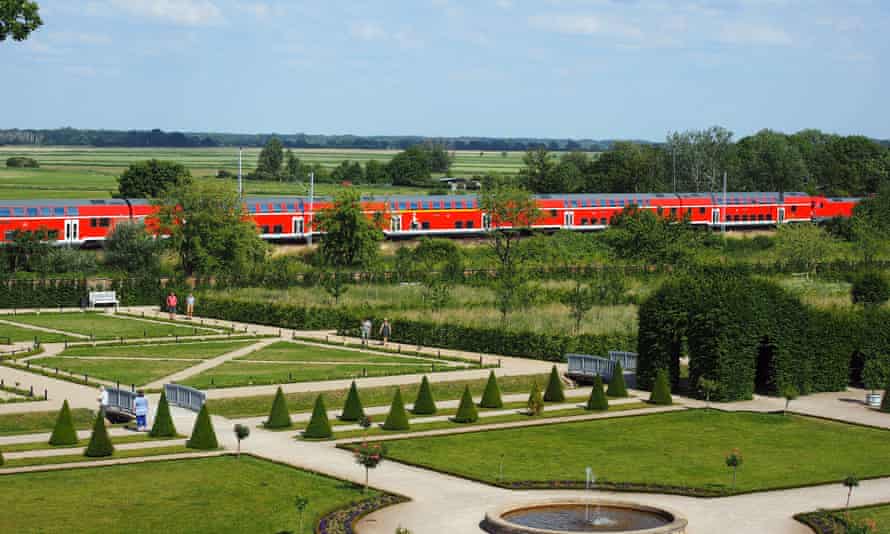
x,y
631,69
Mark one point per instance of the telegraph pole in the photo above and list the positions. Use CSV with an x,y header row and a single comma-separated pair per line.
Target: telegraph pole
x,y
311,207
240,183
724,203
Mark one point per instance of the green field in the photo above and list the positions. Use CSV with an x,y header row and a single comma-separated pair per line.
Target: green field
x,y
18,333
77,458
123,371
191,350
208,495
298,352
676,449
139,437
37,422
104,326
879,514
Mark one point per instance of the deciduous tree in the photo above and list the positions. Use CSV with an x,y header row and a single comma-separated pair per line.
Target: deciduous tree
x,y
18,18
152,179
351,238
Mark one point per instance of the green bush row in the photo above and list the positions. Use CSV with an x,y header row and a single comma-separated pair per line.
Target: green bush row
x,y
51,293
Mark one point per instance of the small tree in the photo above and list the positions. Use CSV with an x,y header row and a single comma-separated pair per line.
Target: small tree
x,y
319,427
661,392
874,374
850,482
100,444
278,415
163,426
352,408
597,400
491,398
425,404
579,301
870,289
2,461
301,503
369,456
554,391
885,403
241,433
790,393
617,387
734,460
397,419
63,432
535,402
466,412
708,387
335,285
203,436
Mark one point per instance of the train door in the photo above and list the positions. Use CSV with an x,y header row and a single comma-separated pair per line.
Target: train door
x,y
486,221
781,216
72,230
395,223
568,219
715,216
297,225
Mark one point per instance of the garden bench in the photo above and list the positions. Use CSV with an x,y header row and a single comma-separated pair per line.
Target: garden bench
x,y
103,297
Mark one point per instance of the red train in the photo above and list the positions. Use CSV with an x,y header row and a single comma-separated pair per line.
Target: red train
x,y
281,218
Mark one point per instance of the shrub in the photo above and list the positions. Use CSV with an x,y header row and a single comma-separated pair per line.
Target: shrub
x,y
100,444
597,400
535,402
163,426
661,393
874,374
425,404
885,403
22,162
617,387
491,398
278,415
319,427
64,433
554,391
203,436
397,419
2,461
466,412
352,408
870,289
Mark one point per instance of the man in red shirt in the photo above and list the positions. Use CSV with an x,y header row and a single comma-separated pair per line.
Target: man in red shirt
x,y
171,304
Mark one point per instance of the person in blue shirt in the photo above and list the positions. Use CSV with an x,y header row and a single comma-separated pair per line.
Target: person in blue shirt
x,y
140,406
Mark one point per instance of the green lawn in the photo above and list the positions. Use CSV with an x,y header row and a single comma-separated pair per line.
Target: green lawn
x,y
104,326
18,333
77,458
191,350
123,371
377,396
36,422
677,449
199,496
233,373
44,445
879,514
285,351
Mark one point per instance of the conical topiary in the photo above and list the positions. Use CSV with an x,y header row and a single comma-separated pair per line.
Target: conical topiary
x,y
885,404
64,433
491,397
466,412
597,401
661,392
319,427
278,415
163,426
554,388
100,444
352,408
203,435
2,461
617,387
535,402
397,419
425,404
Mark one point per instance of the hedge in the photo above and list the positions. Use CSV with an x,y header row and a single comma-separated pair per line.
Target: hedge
x,y
466,412
100,444
63,432
275,314
554,391
491,398
597,401
425,404
397,418
52,293
617,386
163,426
319,426
352,408
661,392
278,415
203,436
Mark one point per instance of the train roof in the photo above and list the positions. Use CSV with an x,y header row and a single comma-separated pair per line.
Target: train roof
x,y
60,203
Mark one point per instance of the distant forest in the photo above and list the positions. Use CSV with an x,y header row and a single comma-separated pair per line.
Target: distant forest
x,y
159,138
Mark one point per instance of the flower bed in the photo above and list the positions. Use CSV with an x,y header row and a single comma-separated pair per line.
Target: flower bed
x,y
343,521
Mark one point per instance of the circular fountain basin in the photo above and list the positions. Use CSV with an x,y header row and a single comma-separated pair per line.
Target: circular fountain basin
x,y
566,515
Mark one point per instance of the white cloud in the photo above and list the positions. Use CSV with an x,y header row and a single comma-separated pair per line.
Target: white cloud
x,y
368,31
184,12
586,25
742,33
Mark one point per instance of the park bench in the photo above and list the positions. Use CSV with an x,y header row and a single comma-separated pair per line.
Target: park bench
x,y
102,298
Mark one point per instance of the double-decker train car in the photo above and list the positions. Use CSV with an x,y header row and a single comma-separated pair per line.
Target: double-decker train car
x,y
294,218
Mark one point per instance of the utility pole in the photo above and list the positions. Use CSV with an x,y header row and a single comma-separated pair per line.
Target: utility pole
x,y
240,183
311,207
724,204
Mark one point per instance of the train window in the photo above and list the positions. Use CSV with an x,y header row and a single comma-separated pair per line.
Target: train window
x,y
459,204
458,224
660,210
262,208
94,223
574,203
447,204
4,212
425,225
583,222
72,211
759,216
793,209
19,212
553,213
302,207
46,212
291,207
32,212
701,211
603,220
10,235
425,205
469,224
437,204
403,205
745,218
104,222
688,211
278,229
265,229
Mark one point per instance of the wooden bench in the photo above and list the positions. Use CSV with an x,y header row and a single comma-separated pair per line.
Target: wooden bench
x,y
103,297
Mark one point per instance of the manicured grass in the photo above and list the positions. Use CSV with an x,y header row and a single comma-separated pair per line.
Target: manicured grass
x,y
44,445
104,326
191,350
377,396
77,458
37,422
200,496
879,514
285,351
16,333
677,449
232,373
123,371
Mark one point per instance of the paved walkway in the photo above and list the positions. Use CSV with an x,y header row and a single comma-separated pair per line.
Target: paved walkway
x,y
209,364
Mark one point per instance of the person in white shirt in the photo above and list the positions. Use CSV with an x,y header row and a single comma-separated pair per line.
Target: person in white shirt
x,y
140,406
103,398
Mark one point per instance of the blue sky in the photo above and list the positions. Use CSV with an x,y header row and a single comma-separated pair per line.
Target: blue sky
x,y
506,68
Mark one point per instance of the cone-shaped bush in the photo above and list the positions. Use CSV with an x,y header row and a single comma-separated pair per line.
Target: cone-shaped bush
x,y
617,387
278,415
425,403
2,461
554,388
885,404
597,401
163,426
466,412
535,402
319,427
491,398
100,444
397,419
352,408
64,433
203,435
661,392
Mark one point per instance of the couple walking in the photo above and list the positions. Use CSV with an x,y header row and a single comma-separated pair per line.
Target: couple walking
x,y
385,331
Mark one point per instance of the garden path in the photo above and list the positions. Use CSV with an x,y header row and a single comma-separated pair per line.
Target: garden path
x,y
210,364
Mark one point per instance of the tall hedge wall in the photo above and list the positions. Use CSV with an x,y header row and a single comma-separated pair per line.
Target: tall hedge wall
x,y
46,293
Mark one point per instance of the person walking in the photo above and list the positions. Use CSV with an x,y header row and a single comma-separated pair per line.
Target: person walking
x,y
385,331
366,331
140,406
171,304
103,398
190,305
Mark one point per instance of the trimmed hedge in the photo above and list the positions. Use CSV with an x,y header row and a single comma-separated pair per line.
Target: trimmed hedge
x,y
617,387
2,461
597,401
279,417
100,444
885,402
52,293
352,408
319,426
535,403
661,393
203,436
466,412
163,426
425,404
397,419
63,432
554,392
275,314
491,398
